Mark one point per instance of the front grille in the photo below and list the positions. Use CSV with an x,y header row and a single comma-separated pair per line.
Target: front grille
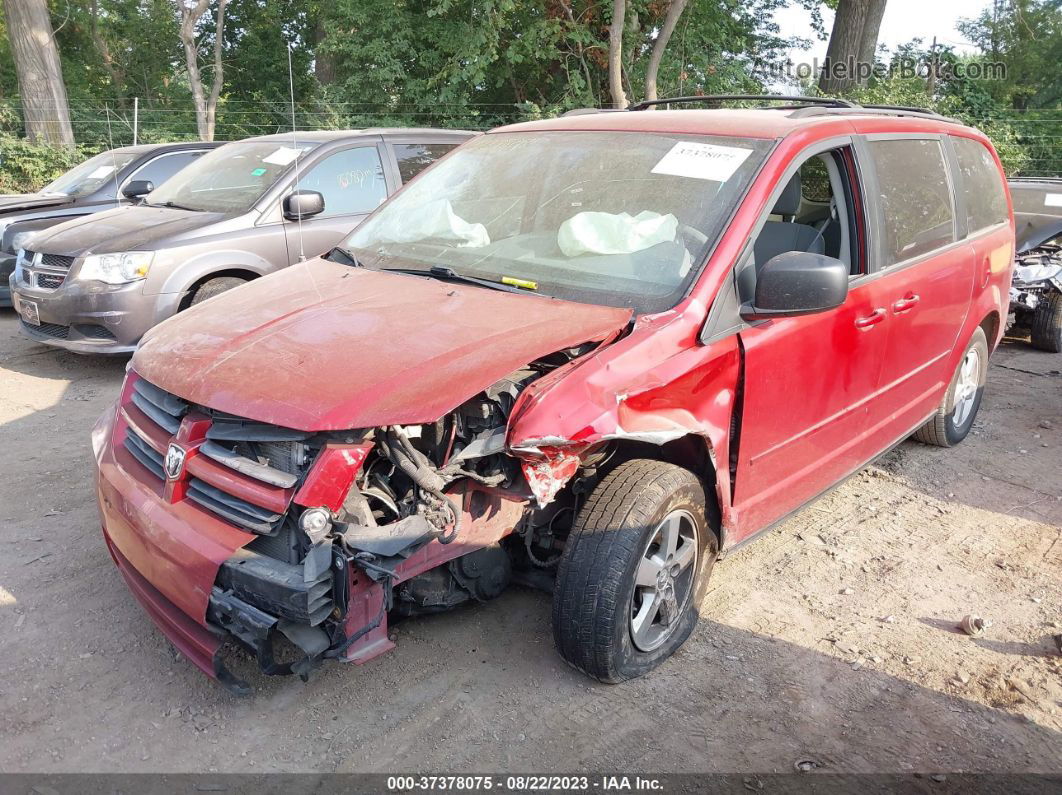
x,y
244,472
239,512
49,281
164,409
55,330
94,332
56,261
150,458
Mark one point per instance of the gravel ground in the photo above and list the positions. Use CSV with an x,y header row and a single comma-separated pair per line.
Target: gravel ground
x,y
830,640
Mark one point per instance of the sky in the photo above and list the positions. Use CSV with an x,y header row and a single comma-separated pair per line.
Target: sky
x,y
904,20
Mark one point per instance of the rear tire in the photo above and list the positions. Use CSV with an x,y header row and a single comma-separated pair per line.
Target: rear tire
x,y
955,416
1047,324
627,595
212,287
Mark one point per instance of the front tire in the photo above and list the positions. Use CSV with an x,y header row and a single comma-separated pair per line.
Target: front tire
x,y
215,286
1047,324
634,571
956,413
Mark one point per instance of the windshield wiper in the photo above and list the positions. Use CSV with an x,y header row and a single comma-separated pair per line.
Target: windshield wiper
x,y
450,275
343,254
175,206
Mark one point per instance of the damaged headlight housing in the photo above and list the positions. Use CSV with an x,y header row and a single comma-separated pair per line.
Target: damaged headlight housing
x,y
118,268
1031,274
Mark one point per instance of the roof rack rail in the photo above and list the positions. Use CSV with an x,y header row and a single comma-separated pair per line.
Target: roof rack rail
x,y
826,101
881,110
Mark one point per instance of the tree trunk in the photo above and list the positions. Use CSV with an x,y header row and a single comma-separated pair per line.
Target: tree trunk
x,y
853,40
615,54
868,42
205,105
40,75
324,63
674,11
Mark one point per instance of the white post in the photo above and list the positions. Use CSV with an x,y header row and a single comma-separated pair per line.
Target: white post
x,y
136,116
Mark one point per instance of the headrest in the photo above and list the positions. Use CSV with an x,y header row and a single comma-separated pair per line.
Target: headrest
x,y
789,202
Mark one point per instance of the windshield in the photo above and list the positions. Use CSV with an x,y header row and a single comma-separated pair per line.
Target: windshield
x,y
90,175
616,218
231,178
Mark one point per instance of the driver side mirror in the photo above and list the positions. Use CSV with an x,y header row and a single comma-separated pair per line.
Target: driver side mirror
x,y
303,204
797,283
137,188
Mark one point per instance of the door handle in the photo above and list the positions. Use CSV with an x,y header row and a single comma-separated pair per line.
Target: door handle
x,y
872,319
905,304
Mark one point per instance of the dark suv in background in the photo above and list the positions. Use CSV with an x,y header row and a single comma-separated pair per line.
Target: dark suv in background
x,y
97,184
249,208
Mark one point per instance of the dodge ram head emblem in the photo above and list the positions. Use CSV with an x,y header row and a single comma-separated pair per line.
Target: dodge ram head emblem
x,y
174,461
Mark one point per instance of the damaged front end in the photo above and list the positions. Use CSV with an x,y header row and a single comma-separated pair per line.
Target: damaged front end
x,y
1037,273
339,529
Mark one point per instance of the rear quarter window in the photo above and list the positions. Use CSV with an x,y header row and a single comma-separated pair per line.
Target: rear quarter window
x,y
915,197
982,185
414,158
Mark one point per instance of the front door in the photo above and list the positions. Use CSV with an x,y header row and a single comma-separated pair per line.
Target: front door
x,y
809,381
353,185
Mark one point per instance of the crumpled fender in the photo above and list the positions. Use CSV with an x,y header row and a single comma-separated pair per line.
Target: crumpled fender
x,y
656,385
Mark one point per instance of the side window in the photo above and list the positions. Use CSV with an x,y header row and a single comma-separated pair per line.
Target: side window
x,y
414,158
163,167
816,212
982,185
351,181
915,197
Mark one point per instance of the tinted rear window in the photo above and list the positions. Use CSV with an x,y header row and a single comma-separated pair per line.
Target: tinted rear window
x,y
414,158
982,186
915,197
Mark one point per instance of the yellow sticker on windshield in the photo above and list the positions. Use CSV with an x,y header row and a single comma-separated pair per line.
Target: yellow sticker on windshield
x,y
527,284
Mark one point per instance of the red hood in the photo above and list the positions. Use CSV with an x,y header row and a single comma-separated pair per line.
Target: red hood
x,y
322,346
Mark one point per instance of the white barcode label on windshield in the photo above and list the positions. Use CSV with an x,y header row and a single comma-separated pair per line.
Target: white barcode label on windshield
x,y
702,161
1053,200
101,172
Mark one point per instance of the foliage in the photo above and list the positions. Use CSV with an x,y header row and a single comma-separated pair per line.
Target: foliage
x,y
26,167
475,63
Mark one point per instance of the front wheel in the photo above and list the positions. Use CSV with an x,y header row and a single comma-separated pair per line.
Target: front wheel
x,y
955,415
215,286
1047,324
634,570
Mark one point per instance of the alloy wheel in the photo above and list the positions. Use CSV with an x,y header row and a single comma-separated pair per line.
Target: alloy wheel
x,y
663,580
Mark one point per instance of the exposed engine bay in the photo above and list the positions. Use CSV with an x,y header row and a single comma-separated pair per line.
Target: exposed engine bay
x,y
288,594
1037,272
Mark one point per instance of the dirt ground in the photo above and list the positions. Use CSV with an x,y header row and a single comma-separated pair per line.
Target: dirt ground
x,y
832,639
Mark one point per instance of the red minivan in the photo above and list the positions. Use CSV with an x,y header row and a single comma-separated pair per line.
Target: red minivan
x,y
591,354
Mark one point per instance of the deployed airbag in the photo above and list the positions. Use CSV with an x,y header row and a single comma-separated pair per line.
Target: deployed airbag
x,y
615,233
436,221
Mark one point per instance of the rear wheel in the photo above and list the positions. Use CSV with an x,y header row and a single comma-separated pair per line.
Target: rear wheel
x,y
212,287
634,570
1047,324
955,416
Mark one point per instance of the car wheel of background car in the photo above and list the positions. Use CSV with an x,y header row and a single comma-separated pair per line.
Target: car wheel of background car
x,y
955,415
634,570
1047,324
209,289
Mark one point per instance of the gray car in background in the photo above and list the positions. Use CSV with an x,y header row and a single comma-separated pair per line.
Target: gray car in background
x,y
248,208
102,182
